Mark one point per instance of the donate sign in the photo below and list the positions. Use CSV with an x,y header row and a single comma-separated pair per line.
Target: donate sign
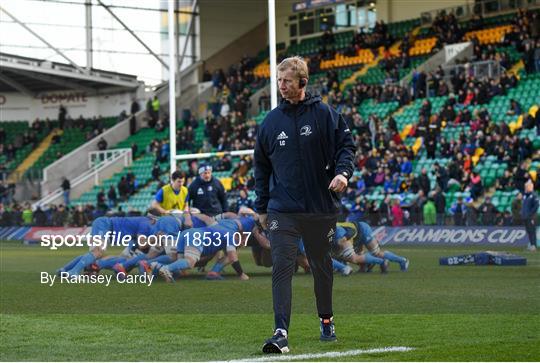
x,y
442,235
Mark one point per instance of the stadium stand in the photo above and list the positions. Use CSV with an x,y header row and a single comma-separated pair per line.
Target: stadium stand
x,y
432,136
69,139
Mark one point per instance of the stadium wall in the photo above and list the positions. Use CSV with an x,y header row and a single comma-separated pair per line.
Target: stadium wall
x,y
243,45
16,106
387,10
398,10
222,22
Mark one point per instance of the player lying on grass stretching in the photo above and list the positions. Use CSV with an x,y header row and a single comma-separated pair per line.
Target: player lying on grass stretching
x,y
104,228
226,236
352,237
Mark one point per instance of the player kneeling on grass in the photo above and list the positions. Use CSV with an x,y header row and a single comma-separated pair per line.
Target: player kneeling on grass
x,y
353,236
112,230
226,235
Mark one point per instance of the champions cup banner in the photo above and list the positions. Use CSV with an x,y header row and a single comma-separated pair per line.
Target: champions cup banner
x,y
35,233
442,235
418,235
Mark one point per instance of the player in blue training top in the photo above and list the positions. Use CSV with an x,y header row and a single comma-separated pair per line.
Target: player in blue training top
x,y
262,255
111,230
351,237
259,248
170,225
226,235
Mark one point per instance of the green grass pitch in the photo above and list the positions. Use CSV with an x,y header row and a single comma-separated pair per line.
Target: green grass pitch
x,y
461,313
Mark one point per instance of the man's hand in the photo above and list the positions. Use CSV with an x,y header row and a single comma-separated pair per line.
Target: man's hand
x,y
262,220
338,184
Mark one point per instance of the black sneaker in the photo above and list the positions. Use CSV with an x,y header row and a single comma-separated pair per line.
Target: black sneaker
x,y
278,344
328,330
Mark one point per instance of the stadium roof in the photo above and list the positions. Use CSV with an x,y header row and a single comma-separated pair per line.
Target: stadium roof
x,y
33,76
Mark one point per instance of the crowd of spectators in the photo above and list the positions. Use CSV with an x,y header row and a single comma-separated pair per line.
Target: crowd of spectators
x,y
383,159
55,215
385,162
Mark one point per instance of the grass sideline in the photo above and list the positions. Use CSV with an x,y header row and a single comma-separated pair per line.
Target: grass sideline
x,y
465,313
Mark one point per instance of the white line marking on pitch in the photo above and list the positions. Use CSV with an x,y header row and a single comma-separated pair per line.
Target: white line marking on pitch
x,y
288,357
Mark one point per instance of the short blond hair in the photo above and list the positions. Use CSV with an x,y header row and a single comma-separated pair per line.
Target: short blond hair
x,y
297,64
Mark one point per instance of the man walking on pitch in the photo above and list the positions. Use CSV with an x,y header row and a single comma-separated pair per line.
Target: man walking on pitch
x,y
303,157
529,209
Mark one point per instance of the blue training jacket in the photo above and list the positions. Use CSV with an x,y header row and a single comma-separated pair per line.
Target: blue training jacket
x,y
208,197
299,149
529,206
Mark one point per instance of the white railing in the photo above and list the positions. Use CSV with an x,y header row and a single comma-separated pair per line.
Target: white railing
x,y
74,163
91,176
96,158
478,70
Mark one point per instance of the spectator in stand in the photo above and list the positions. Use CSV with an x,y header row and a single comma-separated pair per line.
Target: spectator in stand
x,y
60,216
66,189
10,152
488,212
27,215
40,219
160,126
521,176
111,195
440,206
155,109
102,144
61,116
416,209
430,212
79,218
476,186
397,214
515,108
264,102
529,210
101,202
441,175
423,182
123,188
135,108
132,182
516,210
459,211
156,171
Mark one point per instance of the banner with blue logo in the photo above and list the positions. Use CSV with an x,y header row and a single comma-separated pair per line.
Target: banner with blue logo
x,y
452,235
